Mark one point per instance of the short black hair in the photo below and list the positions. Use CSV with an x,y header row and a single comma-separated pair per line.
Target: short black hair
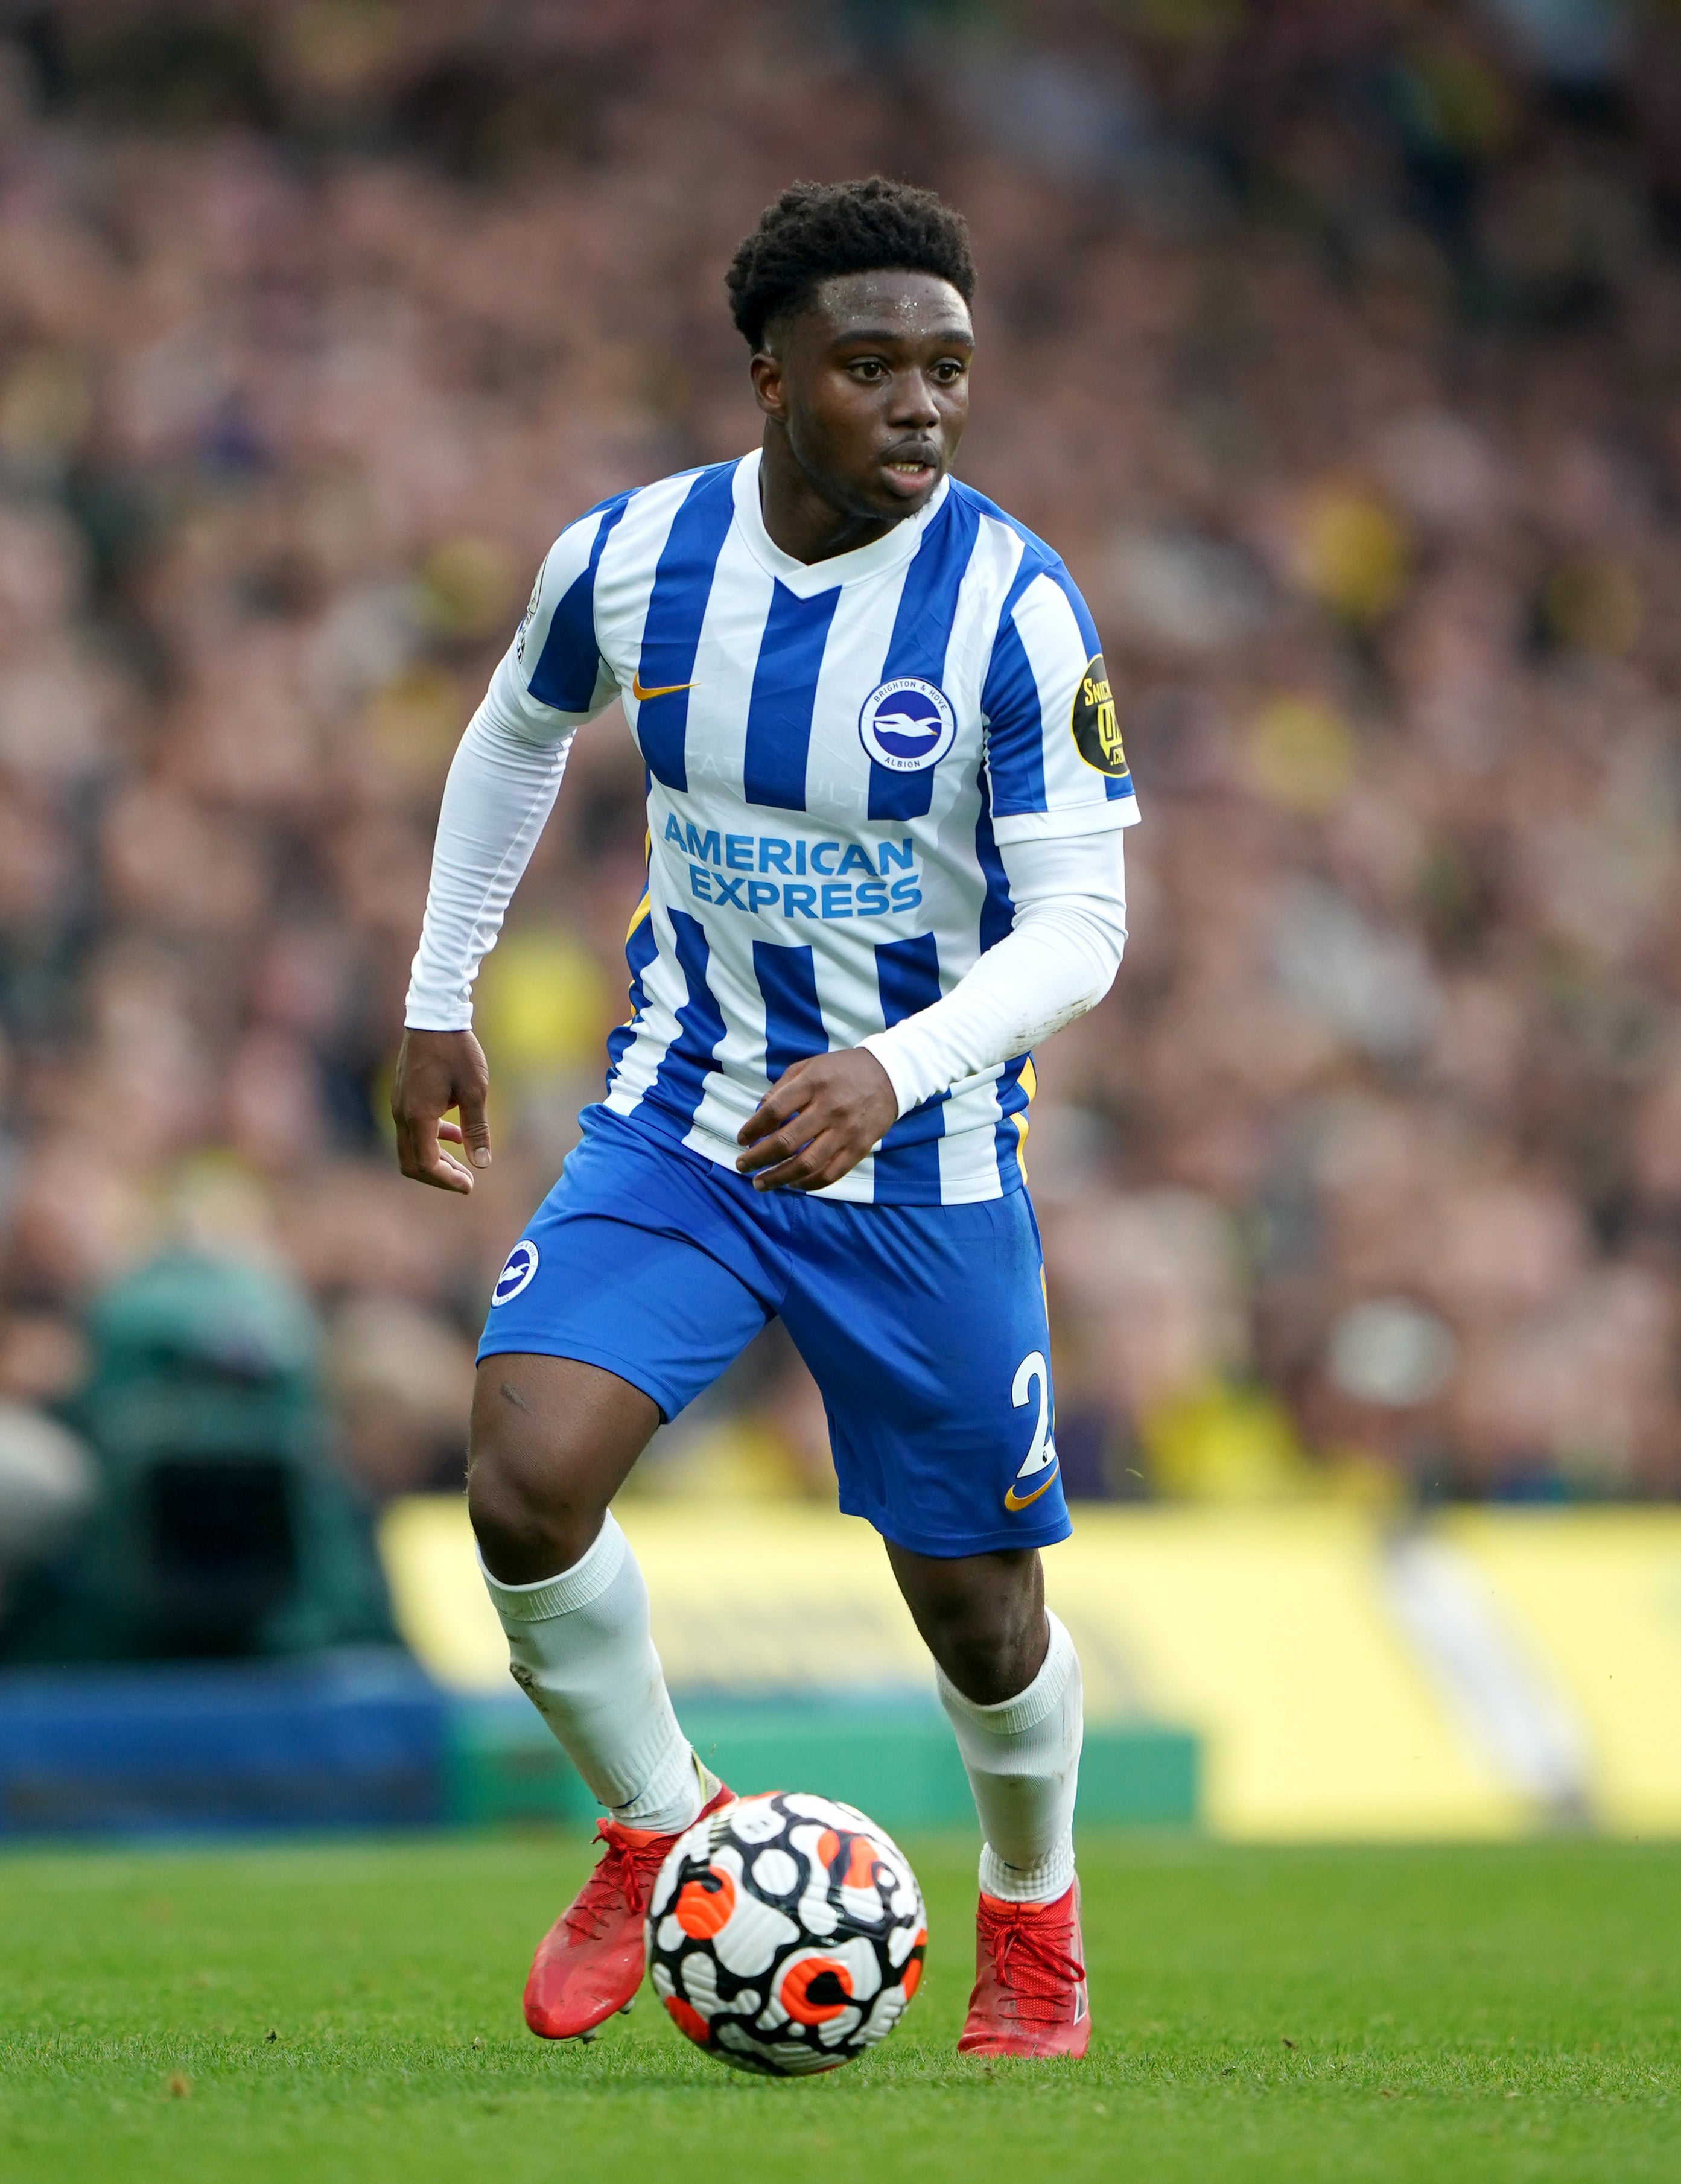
x,y
817,230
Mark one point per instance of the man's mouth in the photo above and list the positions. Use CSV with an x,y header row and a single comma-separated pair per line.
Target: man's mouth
x,y
910,472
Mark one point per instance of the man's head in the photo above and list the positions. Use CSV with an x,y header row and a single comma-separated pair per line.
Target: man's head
x,y
854,298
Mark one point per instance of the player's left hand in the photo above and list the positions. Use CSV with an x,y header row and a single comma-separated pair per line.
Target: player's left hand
x,y
817,1120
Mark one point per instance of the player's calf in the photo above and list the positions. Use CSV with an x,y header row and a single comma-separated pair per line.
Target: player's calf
x,y
1010,1682
552,1439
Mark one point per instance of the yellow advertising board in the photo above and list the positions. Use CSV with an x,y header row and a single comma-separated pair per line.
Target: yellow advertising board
x,y
1486,1673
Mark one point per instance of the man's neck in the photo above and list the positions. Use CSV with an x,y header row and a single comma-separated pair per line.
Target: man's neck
x,y
803,521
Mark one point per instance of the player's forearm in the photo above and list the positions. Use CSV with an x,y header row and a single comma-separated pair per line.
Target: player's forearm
x,y
1047,972
501,789
1058,959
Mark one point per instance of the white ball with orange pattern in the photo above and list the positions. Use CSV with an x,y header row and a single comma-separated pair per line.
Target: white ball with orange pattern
x,y
786,1933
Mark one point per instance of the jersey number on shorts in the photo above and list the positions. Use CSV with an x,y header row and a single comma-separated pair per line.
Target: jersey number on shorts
x,y
1039,1469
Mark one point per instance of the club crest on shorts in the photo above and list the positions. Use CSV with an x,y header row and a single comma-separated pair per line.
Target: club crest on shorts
x,y
517,1272
907,725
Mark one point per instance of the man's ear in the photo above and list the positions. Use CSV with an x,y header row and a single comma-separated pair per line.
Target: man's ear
x,y
769,385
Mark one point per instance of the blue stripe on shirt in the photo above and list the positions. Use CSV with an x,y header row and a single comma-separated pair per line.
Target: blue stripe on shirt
x,y
1012,1100
998,909
565,673
794,1022
1011,703
907,1164
680,1082
1015,718
641,947
998,916
1115,785
676,606
921,631
784,693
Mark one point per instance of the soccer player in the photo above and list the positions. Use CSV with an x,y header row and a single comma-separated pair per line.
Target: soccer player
x,y
885,798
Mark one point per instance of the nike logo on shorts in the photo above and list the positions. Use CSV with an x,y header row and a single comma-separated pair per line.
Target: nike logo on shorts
x,y
1045,1480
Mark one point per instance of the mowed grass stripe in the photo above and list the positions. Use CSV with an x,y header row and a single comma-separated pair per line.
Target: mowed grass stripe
x,y
1486,2013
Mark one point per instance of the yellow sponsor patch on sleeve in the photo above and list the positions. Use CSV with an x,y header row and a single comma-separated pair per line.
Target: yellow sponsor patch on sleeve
x,y
1097,733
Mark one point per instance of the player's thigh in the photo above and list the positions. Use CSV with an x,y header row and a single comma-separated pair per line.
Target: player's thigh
x,y
639,1261
552,1441
925,1327
600,1329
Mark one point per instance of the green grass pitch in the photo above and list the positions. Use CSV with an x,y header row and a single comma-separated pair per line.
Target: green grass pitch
x,y
281,2015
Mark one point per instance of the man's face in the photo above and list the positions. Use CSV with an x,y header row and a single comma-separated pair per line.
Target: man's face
x,y
871,383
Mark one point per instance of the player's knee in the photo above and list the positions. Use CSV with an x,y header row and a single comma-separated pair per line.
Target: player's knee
x,y
982,1617
527,1523
990,1666
990,1646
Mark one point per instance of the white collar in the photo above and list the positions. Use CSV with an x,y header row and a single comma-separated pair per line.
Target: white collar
x,y
805,578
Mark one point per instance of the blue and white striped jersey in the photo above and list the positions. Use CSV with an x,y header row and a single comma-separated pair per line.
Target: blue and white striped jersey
x,y
834,754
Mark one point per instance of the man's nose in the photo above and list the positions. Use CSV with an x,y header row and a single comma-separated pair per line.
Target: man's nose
x,y
913,405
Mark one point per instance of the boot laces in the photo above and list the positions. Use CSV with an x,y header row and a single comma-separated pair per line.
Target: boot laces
x,y
1032,1960
619,1883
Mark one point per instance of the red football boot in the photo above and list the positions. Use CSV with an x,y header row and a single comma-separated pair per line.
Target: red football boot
x,y
590,1962
1030,1980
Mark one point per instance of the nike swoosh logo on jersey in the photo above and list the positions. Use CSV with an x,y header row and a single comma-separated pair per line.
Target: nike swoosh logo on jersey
x,y
660,690
1014,1501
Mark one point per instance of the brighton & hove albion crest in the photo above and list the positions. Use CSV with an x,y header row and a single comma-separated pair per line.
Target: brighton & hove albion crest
x,y
517,1273
907,725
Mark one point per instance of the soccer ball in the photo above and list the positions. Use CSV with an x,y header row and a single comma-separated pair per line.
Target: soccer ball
x,y
786,1934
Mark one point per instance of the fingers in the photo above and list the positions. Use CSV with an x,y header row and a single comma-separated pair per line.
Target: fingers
x,y
474,1131
793,1160
824,1159
785,1145
795,1147
816,1121
418,1154
422,1159
780,1105
435,1072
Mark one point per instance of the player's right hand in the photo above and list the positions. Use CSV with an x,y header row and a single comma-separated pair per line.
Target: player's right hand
x,y
436,1071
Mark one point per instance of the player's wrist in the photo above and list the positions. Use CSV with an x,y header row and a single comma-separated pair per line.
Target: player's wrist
x,y
436,1024
896,1058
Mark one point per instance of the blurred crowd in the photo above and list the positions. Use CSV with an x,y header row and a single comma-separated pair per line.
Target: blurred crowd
x,y
1338,347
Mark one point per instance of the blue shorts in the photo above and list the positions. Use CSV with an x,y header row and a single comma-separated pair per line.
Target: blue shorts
x,y
924,1326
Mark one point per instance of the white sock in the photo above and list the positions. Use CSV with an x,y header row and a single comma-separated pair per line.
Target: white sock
x,y
582,1652
1023,1757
